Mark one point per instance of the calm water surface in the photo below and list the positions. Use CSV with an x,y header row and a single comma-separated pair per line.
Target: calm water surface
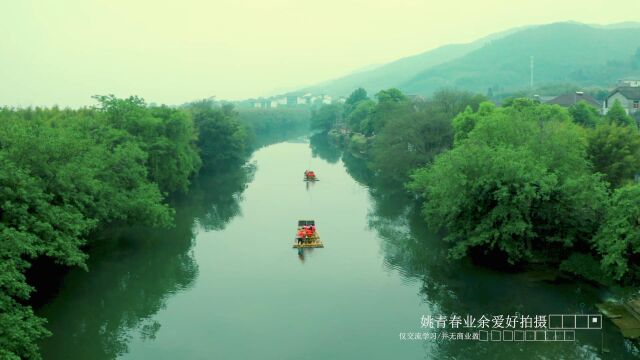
x,y
226,284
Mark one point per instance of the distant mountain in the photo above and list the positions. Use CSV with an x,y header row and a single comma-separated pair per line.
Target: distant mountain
x,y
622,25
563,53
375,78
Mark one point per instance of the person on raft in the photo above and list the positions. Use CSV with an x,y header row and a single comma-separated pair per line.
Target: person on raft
x,y
301,235
309,174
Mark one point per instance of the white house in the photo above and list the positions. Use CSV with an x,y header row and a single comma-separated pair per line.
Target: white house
x,y
628,94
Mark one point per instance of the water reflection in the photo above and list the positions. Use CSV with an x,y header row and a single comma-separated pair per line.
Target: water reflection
x,y
133,272
322,147
352,306
279,135
460,287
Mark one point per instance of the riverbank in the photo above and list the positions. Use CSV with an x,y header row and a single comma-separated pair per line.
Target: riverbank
x,y
205,290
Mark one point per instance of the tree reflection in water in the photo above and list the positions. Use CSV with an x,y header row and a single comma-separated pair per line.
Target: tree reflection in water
x,y
134,271
464,288
322,147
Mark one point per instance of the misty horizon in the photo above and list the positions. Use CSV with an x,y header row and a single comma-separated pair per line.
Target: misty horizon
x,y
63,55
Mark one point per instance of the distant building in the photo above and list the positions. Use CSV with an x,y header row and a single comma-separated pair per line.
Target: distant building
x,y
543,98
261,103
292,100
631,82
306,99
289,100
628,94
571,99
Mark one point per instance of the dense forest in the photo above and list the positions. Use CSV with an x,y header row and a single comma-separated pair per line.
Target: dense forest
x,y
525,184
264,121
66,175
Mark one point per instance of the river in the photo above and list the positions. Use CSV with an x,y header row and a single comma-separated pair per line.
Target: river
x,y
226,284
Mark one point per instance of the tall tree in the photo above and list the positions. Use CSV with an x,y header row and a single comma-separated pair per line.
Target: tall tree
x,y
222,140
326,117
356,96
519,185
618,240
617,115
584,114
615,152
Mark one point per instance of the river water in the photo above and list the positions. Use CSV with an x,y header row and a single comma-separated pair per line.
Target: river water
x,y
226,284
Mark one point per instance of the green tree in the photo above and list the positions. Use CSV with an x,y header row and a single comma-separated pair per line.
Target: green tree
x,y
391,103
407,142
358,143
358,119
167,135
519,185
65,173
451,102
326,117
615,152
415,132
222,140
392,95
352,101
618,240
31,225
464,122
617,115
584,114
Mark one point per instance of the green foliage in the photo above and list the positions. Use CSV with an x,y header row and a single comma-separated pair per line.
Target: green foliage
x,y
326,117
409,141
222,139
30,226
466,120
391,103
66,173
585,266
358,143
519,184
358,118
414,133
618,240
356,96
392,95
617,115
584,114
615,152
265,121
167,136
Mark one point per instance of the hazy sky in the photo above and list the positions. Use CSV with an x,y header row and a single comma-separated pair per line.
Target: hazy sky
x,y
167,51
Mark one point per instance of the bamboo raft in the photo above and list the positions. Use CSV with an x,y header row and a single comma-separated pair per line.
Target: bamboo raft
x,y
311,242
316,244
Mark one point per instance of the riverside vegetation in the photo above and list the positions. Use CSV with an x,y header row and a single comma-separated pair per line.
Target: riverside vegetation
x,y
524,184
66,175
